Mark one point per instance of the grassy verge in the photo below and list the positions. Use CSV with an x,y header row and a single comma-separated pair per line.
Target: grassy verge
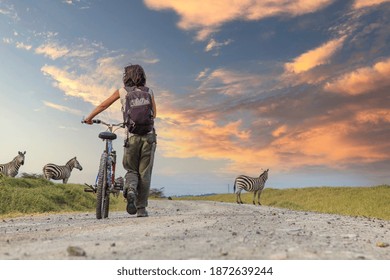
x,y
19,197
371,202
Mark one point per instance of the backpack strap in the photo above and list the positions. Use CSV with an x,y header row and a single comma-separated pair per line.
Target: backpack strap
x,y
134,88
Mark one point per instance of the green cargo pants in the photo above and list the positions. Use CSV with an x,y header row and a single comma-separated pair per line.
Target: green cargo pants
x,y
138,159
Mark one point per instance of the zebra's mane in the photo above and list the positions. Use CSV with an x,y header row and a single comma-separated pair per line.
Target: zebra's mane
x,y
20,154
16,160
71,161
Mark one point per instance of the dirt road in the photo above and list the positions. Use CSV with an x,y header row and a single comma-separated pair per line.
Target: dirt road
x,y
196,230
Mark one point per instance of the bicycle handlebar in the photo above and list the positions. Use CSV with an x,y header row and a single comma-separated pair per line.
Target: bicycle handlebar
x,y
93,121
97,121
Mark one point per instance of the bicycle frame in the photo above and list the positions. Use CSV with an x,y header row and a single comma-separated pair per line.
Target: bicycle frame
x,y
105,183
111,163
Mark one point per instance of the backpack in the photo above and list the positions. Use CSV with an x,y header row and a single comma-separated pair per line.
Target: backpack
x,y
138,110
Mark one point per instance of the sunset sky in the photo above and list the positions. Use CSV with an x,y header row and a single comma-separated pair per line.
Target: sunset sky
x,y
299,87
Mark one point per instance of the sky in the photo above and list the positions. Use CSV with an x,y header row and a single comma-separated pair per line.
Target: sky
x,y
297,87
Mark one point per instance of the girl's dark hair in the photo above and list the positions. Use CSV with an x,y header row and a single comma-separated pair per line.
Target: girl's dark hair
x,y
134,75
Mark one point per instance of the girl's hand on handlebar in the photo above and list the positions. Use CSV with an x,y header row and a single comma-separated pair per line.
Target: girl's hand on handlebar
x,y
87,121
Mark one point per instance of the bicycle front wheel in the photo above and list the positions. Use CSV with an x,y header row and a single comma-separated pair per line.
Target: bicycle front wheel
x,y
102,194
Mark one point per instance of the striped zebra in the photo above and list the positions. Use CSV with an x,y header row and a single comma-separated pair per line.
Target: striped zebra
x,y
60,172
11,168
255,185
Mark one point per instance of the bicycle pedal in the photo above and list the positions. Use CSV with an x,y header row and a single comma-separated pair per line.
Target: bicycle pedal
x,y
90,188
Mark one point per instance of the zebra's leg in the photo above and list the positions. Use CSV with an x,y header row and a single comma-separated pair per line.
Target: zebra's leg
x,y
254,196
239,196
65,180
258,197
45,175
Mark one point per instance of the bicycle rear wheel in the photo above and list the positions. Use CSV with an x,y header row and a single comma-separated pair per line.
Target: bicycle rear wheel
x,y
102,194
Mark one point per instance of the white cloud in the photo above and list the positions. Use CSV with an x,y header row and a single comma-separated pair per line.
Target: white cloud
x,y
205,33
9,11
62,108
229,82
145,56
52,50
78,3
21,45
214,45
7,40
70,2
202,74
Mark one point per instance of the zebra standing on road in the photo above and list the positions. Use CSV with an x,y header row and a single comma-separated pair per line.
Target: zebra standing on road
x,y
11,168
250,184
60,172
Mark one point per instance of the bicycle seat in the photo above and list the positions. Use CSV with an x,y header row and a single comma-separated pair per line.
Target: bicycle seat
x,y
106,135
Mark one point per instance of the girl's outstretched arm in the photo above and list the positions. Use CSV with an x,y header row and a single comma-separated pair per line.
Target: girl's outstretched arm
x,y
103,106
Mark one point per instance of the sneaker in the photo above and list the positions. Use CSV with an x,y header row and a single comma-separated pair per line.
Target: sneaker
x,y
141,212
131,209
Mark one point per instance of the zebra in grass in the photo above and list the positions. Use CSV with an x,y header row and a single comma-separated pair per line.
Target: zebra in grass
x,y
11,168
60,172
255,185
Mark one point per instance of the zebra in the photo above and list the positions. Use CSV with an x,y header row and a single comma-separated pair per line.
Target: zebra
x,y
255,185
11,168
60,172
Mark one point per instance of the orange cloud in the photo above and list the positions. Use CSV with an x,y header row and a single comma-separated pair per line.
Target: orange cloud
x,y
207,16
322,145
84,86
315,57
330,145
96,79
367,3
362,80
279,131
321,142
374,116
184,137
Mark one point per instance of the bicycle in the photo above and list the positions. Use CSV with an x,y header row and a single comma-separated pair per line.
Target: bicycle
x,y
106,183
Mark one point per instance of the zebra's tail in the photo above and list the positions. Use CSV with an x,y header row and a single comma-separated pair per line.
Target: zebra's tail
x,y
234,186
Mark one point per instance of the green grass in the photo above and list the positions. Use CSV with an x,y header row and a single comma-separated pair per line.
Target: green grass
x,y
371,202
31,196
19,196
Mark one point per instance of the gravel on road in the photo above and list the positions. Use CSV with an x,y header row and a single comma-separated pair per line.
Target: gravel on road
x,y
186,230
